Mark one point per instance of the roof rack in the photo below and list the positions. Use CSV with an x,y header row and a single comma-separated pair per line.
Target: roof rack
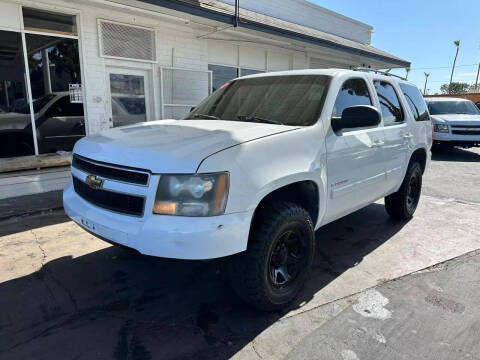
x,y
386,73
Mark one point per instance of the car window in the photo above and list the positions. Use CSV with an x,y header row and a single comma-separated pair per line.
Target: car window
x,y
452,107
353,92
63,107
392,112
415,102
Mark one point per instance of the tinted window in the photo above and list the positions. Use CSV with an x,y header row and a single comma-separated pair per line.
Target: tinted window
x,y
452,107
390,105
415,102
295,100
222,75
353,92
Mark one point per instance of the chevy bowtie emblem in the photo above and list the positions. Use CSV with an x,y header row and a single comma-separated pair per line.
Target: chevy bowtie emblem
x,y
94,182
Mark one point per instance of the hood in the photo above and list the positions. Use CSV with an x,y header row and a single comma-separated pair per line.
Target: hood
x,y
464,119
171,146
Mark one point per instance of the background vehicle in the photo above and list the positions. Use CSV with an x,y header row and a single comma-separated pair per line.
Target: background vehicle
x,y
456,122
253,171
59,122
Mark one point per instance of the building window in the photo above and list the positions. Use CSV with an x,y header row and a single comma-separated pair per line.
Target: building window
x,y
34,87
46,21
245,72
222,74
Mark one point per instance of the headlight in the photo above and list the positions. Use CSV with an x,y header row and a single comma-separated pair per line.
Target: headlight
x,y
440,128
192,195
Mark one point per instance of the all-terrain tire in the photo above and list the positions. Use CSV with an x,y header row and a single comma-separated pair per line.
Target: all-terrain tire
x,y
251,272
402,204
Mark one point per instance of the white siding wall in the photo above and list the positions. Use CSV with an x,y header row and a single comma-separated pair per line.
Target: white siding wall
x,y
304,13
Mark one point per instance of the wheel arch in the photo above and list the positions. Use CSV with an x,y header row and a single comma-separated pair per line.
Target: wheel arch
x,y
419,155
305,193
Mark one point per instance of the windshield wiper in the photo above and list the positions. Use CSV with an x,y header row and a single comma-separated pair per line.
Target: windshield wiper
x,y
247,118
205,116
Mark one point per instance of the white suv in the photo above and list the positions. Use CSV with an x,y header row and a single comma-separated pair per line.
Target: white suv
x,y
253,171
455,122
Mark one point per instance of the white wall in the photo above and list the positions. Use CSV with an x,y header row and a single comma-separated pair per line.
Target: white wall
x,y
305,13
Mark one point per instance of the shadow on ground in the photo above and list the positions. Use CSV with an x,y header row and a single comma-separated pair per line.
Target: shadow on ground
x,y
455,154
115,303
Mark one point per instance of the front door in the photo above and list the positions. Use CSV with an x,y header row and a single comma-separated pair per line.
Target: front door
x,y
129,100
355,159
396,133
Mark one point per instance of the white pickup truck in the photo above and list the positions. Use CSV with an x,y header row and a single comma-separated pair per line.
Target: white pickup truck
x,y
253,171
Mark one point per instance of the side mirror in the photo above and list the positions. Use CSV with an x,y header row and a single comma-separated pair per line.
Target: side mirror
x,y
360,116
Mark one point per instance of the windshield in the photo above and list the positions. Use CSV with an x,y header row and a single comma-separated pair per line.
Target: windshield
x,y
295,100
452,107
38,104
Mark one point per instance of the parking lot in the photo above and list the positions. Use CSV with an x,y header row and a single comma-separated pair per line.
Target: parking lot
x,y
382,287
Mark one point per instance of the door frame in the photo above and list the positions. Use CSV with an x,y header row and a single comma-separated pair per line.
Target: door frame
x,y
147,84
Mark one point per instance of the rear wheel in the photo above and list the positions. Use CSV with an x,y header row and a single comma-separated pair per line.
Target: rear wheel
x,y
402,204
276,264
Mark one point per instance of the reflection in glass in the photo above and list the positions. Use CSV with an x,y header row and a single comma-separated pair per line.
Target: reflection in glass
x,y
353,92
128,99
16,137
54,64
40,20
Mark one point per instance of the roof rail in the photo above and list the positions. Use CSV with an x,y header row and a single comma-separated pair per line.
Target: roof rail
x,y
386,73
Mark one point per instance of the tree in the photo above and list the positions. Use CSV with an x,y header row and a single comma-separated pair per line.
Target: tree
x,y
457,44
407,70
455,88
426,79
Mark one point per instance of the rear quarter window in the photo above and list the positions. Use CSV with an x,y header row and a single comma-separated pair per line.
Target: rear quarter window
x,y
416,102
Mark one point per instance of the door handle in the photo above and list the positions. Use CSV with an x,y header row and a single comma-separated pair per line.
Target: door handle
x,y
377,143
408,136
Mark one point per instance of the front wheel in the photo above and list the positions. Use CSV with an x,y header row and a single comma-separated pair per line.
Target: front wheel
x,y
274,268
402,204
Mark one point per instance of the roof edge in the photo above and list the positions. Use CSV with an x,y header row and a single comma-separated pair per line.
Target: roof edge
x,y
225,18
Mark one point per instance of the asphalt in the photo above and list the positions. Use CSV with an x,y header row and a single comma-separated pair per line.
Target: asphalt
x,y
379,289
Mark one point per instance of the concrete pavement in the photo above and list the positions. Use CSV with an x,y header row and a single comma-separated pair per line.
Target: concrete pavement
x,y
65,294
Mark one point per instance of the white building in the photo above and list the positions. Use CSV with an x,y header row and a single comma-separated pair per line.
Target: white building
x,y
94,64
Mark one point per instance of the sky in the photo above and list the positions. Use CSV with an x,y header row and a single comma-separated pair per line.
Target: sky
x,y
422,32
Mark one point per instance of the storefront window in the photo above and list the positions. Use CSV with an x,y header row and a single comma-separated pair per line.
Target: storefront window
x,y
54,65
16,137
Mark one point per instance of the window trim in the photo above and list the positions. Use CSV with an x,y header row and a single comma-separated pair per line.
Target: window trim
x,y
400,101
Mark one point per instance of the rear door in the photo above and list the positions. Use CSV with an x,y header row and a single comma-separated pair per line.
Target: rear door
x,y
395,128
356,168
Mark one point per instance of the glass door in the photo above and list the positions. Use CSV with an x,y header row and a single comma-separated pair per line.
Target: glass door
x,y
129,96
16,137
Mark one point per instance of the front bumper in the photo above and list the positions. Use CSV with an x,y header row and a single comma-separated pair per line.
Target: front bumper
x,y
192,238
455,138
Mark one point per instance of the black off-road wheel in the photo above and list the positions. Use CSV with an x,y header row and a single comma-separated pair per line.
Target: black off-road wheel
x,y
402,204
280,252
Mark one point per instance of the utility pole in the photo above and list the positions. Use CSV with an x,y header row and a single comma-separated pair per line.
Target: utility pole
x,y
426,79
476,81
